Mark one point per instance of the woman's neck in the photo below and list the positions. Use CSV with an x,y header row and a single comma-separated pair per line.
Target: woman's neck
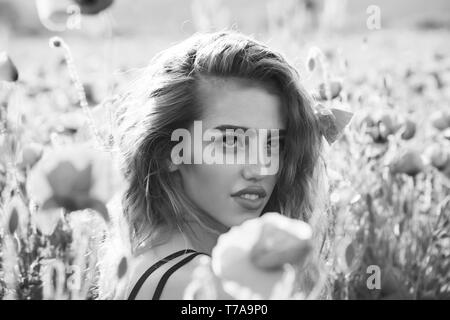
x,y
201,239
195,236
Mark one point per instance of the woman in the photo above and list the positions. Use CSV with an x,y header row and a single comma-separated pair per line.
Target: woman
x,y
176,210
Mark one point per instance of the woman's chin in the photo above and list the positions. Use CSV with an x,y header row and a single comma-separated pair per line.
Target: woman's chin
x,y
242,217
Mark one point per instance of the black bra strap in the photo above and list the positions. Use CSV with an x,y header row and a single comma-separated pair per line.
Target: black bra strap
x,y
169,272
147,273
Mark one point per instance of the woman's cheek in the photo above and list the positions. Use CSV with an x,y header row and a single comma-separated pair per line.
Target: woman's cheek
x,y
211,182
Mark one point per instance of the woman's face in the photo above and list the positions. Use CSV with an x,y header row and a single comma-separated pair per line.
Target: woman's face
x,y
232,193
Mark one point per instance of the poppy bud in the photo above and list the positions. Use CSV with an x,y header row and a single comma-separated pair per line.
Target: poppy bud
x,y
55,42
277,246
311,64
8,71
439,157
122,268
409,129
13,222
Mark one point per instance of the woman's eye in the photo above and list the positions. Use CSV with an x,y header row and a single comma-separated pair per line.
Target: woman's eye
x,y
230,141
273,143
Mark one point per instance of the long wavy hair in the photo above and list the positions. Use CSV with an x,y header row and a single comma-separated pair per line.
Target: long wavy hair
x,y
166,97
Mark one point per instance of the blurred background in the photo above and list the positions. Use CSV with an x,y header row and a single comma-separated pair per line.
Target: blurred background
x,y
141,28
388,62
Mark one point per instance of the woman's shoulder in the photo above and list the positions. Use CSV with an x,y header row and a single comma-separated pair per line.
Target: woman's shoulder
x,y
180,279
172,277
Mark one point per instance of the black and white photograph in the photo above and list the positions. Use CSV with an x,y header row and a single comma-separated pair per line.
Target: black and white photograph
x,y
224,150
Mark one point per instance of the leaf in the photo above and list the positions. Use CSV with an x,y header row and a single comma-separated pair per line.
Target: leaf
x,y
13,222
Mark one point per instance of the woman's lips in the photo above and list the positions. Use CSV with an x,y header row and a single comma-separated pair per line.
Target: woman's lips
x,y
250,198
249,204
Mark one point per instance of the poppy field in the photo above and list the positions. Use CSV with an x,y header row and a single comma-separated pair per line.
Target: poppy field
x,y
387,215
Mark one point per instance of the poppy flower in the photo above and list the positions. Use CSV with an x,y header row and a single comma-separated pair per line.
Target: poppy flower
x,y
344,195
90,7
31,153
8,70
440,120
74,178
54,14
255,259
334,87
408,162
204,284
388,122
281,241
315,56
439,157
47,221
393,284
446,134
380,124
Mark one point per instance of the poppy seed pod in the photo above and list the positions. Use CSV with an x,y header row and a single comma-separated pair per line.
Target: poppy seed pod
x,y
8,71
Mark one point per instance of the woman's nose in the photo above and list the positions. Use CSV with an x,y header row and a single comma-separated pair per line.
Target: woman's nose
x,y
263,163
253,172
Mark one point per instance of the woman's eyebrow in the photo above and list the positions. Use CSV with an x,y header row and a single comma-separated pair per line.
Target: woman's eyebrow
x,y
224,127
